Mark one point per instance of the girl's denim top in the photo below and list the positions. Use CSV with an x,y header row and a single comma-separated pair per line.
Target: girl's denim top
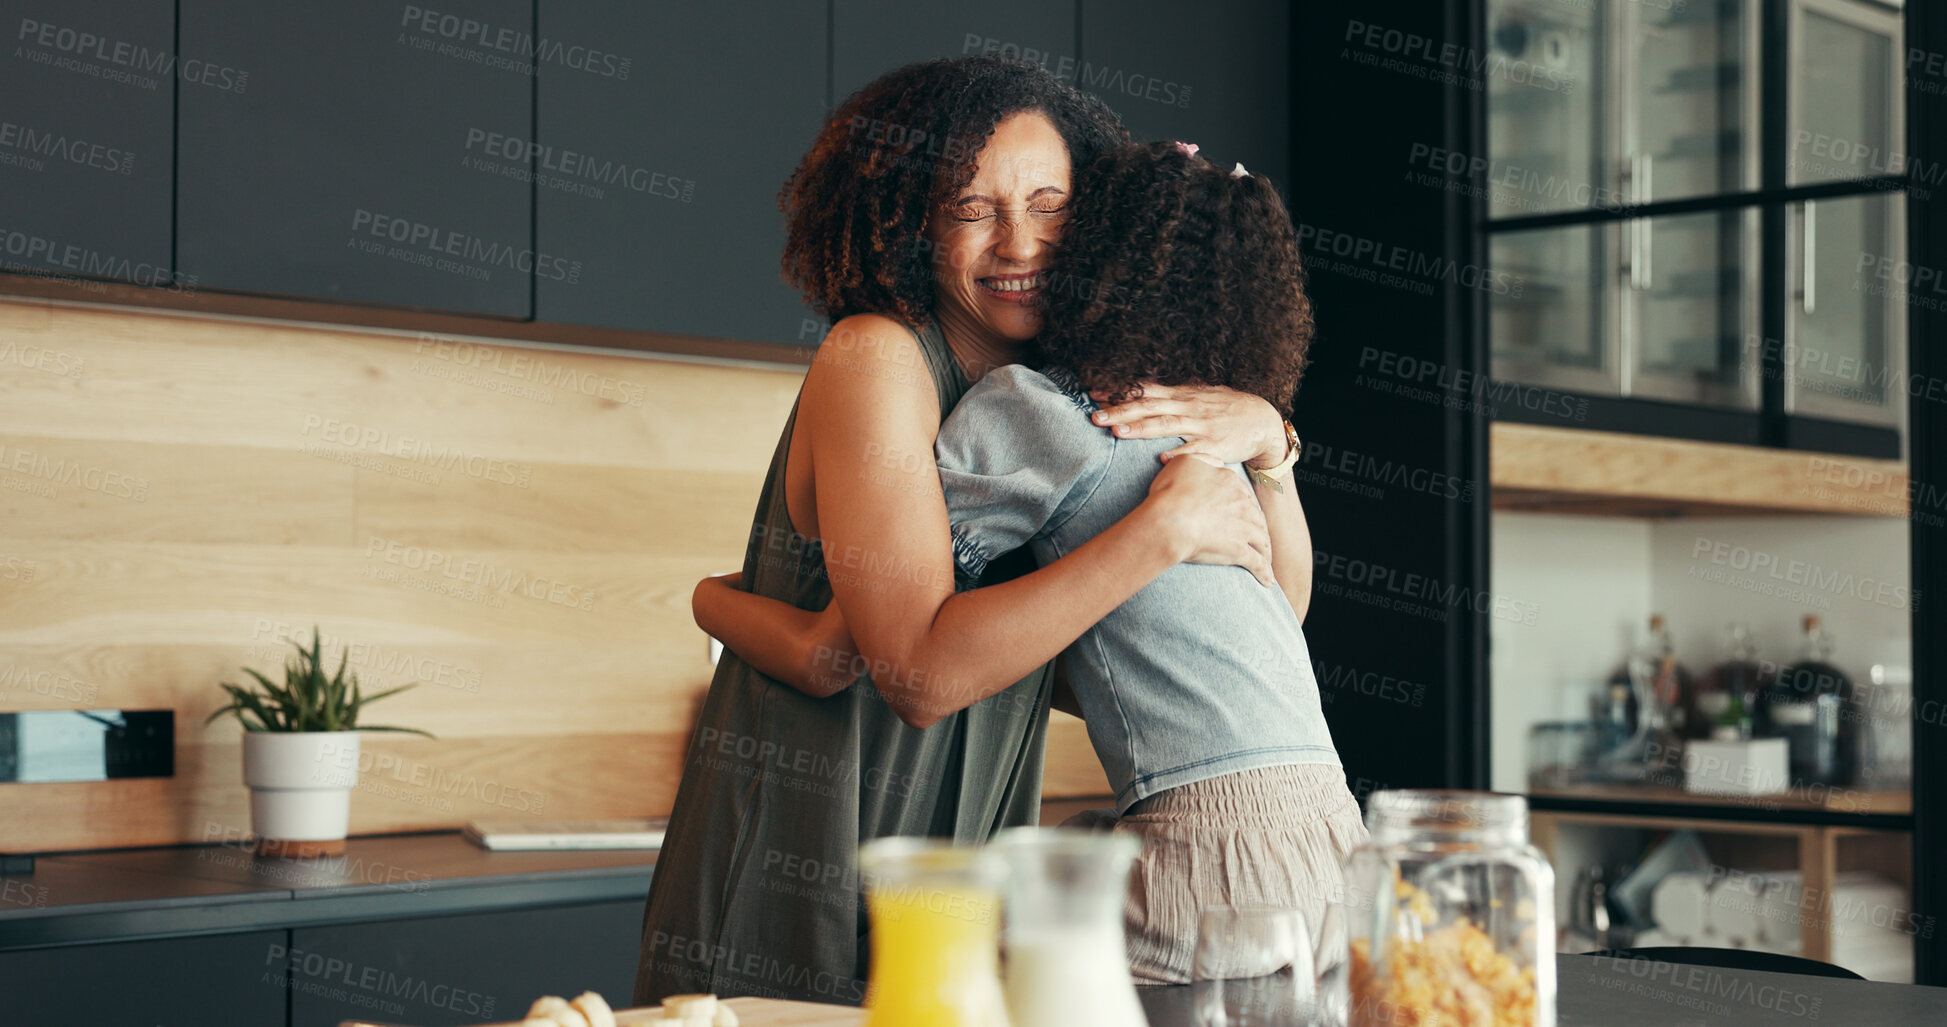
x,y
1202,673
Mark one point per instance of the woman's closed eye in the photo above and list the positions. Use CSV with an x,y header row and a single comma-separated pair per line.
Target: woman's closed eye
x,y
979,214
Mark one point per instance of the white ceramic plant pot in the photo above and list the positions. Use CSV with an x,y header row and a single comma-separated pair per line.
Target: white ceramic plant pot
x,y
301,787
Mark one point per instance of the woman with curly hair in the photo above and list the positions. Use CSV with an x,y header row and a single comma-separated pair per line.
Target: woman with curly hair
x,y
922,220
1198,691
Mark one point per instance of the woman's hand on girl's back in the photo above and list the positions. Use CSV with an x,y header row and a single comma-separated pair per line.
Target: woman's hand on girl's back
x,y
1212,516
1232,426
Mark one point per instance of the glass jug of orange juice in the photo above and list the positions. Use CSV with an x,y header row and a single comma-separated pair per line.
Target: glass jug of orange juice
x,y
935,911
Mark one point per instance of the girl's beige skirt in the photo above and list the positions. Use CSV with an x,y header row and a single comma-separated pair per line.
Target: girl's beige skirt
x,y
1271,837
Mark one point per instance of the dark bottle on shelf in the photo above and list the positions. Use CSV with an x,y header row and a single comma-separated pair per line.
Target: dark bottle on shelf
x,y
1729,695
1615,714
1810,705
1669,703
1615,711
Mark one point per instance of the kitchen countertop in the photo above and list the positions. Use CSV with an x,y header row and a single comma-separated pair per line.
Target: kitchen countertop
x,y
1599,991
123,895
1592,991
129,894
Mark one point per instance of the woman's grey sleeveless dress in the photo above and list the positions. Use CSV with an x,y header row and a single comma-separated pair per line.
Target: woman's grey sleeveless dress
x,y
756,891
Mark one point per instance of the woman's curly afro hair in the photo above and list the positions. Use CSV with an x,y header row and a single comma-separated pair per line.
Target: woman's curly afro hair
x,y
856,208
1173,271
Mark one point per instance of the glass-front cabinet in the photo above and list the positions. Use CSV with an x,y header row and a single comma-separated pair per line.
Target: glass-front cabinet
x,y
1845,358
1846,254
1554,330
1689,112
1650,105
1546,134
1689,284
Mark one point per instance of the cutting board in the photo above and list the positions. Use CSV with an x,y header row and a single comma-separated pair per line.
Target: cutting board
x,y
751,1012
766,1012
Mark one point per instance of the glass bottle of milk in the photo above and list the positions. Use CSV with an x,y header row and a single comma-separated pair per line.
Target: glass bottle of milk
x,y
1066,961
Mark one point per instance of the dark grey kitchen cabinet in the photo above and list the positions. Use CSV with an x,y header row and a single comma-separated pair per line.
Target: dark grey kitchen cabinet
x,y
662,182
219,979
462,969
346,170
1215,74
86,130
872,37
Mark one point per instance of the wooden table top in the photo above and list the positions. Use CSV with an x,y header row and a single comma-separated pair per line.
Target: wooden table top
x,y
751,1012
1593,992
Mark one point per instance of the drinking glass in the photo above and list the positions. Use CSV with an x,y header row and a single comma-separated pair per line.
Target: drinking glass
x,y
1253,967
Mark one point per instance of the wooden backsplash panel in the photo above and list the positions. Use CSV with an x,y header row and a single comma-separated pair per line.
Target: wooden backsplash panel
x,y
179,493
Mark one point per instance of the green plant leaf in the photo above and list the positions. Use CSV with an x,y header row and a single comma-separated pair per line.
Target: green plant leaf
x,y
236,706
402,730
232,708
307,700
335,709
376,696
316,676
254,705
357,701
239,702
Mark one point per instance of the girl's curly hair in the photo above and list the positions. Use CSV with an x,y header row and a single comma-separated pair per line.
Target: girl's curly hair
x,y
1172,271
856,208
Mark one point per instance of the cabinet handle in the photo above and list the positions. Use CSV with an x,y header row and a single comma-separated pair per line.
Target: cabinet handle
x,y
1648,282
1632,255
1643,184
1638,171
1808,281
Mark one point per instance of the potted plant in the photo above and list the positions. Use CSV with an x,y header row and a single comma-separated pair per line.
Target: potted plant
x,y
300,751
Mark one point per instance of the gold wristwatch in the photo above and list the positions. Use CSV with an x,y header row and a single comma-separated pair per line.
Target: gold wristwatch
x,y
1275,475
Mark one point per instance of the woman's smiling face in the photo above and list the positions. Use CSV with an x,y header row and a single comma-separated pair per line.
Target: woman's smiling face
x,y
993,241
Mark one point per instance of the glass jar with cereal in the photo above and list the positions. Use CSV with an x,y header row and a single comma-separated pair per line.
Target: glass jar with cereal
x,y
1449,915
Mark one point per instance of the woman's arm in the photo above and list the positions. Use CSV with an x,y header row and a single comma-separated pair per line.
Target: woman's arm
x,y
872,416
1234,427
1291,542
810,651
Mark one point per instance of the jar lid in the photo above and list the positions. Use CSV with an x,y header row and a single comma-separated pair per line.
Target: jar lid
x,y
1404,812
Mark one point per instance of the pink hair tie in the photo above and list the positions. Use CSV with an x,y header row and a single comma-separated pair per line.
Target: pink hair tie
x,y
1187,149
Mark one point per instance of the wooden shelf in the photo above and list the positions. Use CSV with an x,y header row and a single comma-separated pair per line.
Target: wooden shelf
x,y
1539,469
1819,853
1837,800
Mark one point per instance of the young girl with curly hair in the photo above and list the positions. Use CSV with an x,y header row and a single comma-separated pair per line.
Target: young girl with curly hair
x,y
1198,691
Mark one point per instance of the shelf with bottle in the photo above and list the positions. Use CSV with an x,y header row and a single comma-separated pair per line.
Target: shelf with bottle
x,y
1751,734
